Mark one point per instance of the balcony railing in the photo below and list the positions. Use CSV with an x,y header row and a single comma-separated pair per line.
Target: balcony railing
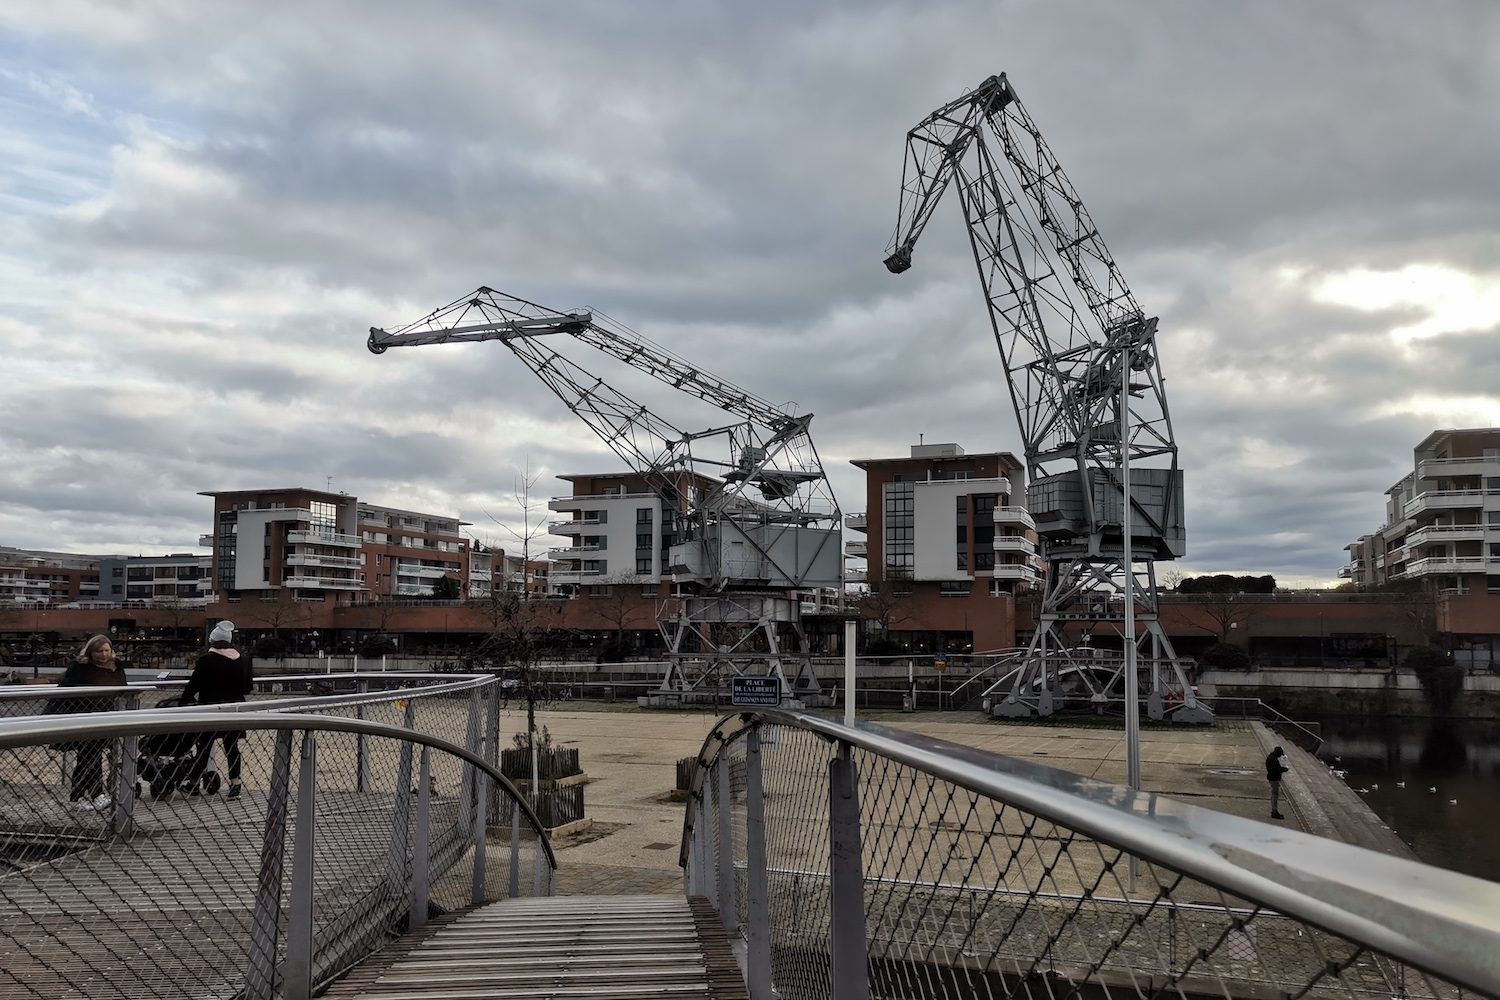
x,y
1447,468
1015,571
1446,533
322,538
312,559
857,522
572,551
571,527
422,572
1014,543
1444,500
1451,564
1014,515
576,575
321,583
857,549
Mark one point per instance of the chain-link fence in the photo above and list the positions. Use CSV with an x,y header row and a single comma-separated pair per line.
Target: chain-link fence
x,y
321,838
869,862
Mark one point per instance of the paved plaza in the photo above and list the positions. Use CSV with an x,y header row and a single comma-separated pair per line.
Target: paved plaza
x,y
630,757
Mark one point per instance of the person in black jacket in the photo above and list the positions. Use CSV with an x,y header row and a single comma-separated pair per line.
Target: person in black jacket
x,y
96,666
1276,766
221,676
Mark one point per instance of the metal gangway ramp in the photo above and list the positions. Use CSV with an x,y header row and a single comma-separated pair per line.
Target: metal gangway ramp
x,y
643,947
377,851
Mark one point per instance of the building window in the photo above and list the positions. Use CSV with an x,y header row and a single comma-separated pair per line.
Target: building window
x,y
984,560
954,588
643,515
962,561
648,590
643,542
117,572
599,592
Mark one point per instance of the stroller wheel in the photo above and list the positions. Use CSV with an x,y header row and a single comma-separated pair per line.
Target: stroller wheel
x,y
211,783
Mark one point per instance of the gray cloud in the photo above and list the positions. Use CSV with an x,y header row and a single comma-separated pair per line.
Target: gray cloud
x,y
196,278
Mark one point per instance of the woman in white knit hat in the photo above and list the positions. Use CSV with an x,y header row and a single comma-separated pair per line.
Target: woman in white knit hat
x,y
221,676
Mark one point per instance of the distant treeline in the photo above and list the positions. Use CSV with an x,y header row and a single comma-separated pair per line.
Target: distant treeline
x,y
1223,583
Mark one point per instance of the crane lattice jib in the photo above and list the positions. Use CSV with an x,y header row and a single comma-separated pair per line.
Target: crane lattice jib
x,y
1037,250
770,448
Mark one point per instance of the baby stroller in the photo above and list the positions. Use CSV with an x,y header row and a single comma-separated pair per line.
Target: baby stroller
x,y
166,760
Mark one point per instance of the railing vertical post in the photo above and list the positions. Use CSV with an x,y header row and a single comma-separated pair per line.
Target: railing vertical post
x,y
492,738
515,849
124,822
298,971
260,977
420,850
481,832
395,870
471,744
757,896
362,744
536,877
849,969
728,912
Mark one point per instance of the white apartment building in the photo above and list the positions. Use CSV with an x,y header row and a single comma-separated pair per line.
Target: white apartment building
x,y
1442,523
616,535
184,578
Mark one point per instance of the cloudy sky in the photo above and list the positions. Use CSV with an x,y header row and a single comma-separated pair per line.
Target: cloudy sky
x,y
206,206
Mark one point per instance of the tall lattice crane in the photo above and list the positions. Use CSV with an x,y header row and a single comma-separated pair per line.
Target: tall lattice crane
x,y
1070,368
748,510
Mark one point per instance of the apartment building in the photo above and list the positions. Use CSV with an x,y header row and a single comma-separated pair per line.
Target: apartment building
x,y
405,552
30,576
180,578
619,534
299,539
948,540
1442,523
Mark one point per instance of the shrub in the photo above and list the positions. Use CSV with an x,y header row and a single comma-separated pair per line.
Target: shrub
x,y
1442,680
1225,656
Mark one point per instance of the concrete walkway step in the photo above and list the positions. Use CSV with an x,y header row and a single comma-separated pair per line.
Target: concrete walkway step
x,y
562,946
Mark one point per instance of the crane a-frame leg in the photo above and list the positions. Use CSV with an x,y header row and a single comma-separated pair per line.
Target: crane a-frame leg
x,y
731,635
1063,666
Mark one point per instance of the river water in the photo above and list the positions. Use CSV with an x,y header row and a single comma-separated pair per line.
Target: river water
x,y
1449,807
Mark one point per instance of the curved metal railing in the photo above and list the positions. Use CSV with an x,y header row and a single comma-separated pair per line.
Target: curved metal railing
x,y
864,861
274,891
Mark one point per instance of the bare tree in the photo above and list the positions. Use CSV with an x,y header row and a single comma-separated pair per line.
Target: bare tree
x,y
620,609
888,603
1221,614
285,612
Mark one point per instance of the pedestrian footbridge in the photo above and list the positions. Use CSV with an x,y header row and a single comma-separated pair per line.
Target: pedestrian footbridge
x,y
378,851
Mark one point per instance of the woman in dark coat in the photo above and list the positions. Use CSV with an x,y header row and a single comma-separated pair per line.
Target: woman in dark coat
x,y
96,666
220,677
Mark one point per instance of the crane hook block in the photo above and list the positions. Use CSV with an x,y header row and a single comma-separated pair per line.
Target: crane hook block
x,y
375,346
895,263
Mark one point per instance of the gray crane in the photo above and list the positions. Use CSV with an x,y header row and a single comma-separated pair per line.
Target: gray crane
x,y
753,519
1086,385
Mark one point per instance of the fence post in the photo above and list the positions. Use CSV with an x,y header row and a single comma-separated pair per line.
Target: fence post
x,y
395,869
728,912
471,743
515,849
849,969
362,744
757,897
125,774
260,977
419,851
492,739
298,972
481,831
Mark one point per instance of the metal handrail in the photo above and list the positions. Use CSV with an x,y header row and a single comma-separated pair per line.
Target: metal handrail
x,y
33,730
461,682
1441,921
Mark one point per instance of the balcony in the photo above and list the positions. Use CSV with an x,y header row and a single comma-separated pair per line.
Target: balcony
x,y
858,549
311,559
1016,571
1449,468
1437,500
1014,515
857,522
1435,565
420,572
572,527
322,538
856,576
1345,572
576,576
205,541
1446,533
1015,543
572,551
321,583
